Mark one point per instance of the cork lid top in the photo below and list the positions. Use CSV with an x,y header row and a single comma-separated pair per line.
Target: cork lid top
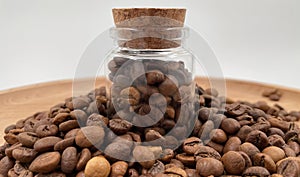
x,y
149,28
173,14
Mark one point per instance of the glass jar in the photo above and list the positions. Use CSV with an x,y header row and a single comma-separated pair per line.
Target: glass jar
x,y
152,83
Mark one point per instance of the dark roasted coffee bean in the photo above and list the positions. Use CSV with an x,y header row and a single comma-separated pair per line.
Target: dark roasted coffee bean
x,y
276,140
230,126
291,135
218,136
234,163
5,165
46,130
256,171
235,109
46,143
175,171
119,126
187,160
169,86
191,145
232,144
118,150
204,114
133,173
89,136
9,150
205,152
243,132
131,95
68,125
23,154
209,166
249,149
275,153
84,157
45,163
63,144
10,127
258,138
27,139
68,160
96,120
273,131
71,133
59,118
155,77
144,156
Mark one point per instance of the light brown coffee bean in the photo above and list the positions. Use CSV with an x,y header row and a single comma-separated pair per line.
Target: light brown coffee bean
x,y
24,155
118,168
191,145
89,136
209,166
232,144
46,130
233,162
274,152
97,167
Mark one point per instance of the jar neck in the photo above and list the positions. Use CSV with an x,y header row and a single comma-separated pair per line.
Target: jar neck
x,y
149,38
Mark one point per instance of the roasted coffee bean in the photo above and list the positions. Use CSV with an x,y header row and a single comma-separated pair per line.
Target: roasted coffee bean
x,y
144,156
26,173
79,115
277,123
45,163
295,146
218,136
23,154
118,150
276,140
167,155
9,150
155,77
191,173
205,130
262,125
11,138
131,95
258,138
157,168
275,153
230,126
118,169
68,125
191,145
46,143
243,132
5,165
119,126
205,152
289,168
274,131
288,151
46,130
80,102
97,167
96,120
249,149
63,144
175,171
232,144
53,174
59,118
68,160
71,133
247,159
256,171
89,136
209,166
218,147
27,139
10,127
204,114
264,160
234,163
18,168
235,109
84,157
169,86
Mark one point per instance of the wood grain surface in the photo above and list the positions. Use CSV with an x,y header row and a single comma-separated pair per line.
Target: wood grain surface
x,y
22,102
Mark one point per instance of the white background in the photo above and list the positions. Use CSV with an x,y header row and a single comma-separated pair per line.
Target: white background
x,y
43,40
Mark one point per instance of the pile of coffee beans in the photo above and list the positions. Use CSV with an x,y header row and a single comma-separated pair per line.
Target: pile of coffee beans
x,y
93,136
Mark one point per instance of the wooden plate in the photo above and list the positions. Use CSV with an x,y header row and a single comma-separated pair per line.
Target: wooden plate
x,y
22,102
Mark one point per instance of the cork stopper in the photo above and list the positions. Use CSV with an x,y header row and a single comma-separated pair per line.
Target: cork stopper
x,y
149,28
